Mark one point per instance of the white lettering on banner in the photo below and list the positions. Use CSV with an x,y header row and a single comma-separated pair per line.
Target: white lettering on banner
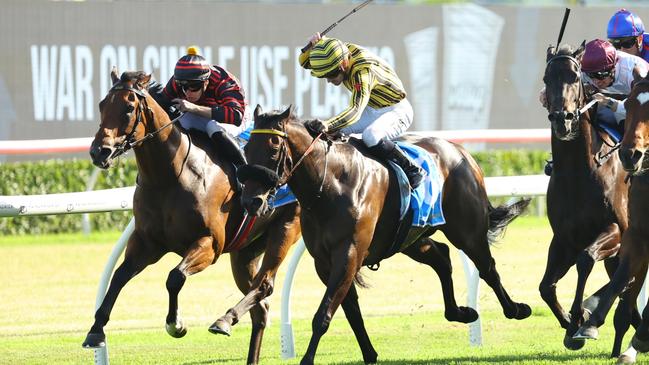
x,y
84,96
43,81
63,78
62,89
468,73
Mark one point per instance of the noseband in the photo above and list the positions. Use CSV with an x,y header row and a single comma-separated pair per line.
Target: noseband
x,y
582,93
273,178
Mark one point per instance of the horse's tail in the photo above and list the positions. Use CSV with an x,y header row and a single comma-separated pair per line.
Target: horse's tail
x,y
502,215
359,279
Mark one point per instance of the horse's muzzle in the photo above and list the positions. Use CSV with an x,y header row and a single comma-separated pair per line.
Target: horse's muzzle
x,y
631,159
101,156
255,205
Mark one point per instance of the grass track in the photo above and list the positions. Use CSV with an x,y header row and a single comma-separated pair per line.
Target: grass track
x,y
48,286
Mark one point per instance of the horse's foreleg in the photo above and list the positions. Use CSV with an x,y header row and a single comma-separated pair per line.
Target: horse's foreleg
x,y
277,241
436,255
631,271
199,256
135,260
337,272
558,263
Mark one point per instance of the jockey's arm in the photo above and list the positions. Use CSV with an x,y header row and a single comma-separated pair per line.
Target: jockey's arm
x,y
362,84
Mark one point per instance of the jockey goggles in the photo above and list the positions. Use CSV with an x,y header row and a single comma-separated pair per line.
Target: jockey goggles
x,y
190,85
600,75
626,42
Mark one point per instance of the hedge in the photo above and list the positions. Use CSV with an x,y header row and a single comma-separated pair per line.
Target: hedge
x,y
60,176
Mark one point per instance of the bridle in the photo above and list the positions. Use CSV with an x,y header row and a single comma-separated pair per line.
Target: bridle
x,y
130,141
581,94
285,162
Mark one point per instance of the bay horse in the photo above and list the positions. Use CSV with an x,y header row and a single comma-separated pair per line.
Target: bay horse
x,y
634,253
586,198
185,202
350,213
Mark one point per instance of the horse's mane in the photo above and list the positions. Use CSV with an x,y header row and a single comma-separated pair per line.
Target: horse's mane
x,y
132,76
565,50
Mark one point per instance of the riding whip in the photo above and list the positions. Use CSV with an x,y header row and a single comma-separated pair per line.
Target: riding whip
x,y
332,26
563,27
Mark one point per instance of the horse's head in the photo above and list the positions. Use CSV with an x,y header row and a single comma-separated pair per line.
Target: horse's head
x,y
269,159
634,145
564,90
122,117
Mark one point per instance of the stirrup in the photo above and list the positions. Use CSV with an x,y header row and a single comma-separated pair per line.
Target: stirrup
x,y
547,170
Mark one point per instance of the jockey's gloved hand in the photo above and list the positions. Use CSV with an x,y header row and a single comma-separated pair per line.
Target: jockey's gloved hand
x,y
173,112
315,127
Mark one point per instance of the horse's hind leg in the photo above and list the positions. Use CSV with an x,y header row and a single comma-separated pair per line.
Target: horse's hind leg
x,y
436,255
136,259
277,241
355,319
475,245
244,268
199,256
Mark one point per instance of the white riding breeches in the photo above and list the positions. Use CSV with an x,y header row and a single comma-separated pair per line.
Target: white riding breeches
x,y
376,124
193,121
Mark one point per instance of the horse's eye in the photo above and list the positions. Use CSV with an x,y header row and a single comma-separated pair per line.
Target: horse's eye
x,y
130,108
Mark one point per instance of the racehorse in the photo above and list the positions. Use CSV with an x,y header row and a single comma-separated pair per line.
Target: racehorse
x,y
185,202
634,254
586,198
350,211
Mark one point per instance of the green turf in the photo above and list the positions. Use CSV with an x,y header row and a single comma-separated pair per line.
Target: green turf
x,y
48,286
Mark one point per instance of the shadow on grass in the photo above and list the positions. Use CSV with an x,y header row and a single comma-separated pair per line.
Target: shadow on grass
x,y
496,359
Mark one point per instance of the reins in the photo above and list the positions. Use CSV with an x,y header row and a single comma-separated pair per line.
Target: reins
x,y
284,179
130,142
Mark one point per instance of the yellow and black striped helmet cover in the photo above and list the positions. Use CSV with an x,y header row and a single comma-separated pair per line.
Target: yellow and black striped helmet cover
x,y
326,56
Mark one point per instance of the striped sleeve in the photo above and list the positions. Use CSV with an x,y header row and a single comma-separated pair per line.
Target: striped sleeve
x,y
362,84
304,59
231,101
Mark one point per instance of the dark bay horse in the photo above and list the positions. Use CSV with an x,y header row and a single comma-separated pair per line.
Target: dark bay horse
x,y
185,203
586,198
634,253
351,212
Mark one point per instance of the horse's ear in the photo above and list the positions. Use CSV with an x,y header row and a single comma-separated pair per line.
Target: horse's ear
x,y
287,113
549,53
113,75
143,81
257,111
580,51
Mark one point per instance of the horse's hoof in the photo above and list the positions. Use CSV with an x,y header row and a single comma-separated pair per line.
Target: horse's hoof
x,y
522,311
220,327
573,344
462,315
640,345
586,332
625,359
94,341
176,330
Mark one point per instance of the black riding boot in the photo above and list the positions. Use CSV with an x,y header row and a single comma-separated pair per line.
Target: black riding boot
x,y
228,147
548,167
388,150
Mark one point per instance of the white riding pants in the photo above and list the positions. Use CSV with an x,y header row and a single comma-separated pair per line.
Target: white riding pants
x,y
193,121
376,124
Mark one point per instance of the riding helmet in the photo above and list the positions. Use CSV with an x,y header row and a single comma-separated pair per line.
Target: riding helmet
x,y
192,66
326,56
600,55
624,24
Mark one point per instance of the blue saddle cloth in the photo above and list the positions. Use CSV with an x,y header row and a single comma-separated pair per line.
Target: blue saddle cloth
x,y
425,201
613,131
284,195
